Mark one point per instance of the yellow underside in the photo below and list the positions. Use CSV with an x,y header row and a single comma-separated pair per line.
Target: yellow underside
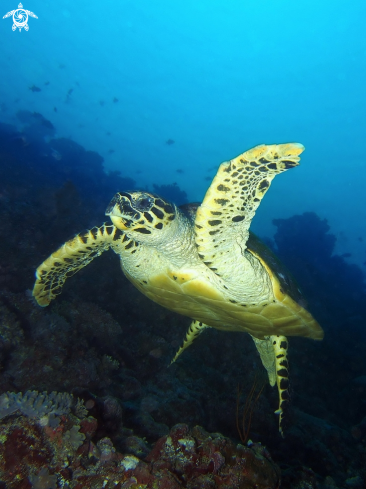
x,y
192,296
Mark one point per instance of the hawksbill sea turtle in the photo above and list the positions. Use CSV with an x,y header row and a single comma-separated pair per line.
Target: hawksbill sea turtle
x,y
201,260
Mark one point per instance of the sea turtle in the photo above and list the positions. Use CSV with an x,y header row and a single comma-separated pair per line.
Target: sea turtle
x,y
201,261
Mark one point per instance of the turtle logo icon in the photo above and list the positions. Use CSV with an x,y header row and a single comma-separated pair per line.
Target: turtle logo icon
x,y
20,17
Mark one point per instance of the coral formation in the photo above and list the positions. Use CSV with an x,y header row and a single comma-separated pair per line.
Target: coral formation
x,y
67,457
35,404
43,480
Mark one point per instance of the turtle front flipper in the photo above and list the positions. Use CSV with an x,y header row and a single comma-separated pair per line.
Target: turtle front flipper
x,y
273,353
71,257
194,330
223,219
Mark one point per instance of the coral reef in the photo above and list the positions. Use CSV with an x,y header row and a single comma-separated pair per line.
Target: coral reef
x,y
42,457
35,404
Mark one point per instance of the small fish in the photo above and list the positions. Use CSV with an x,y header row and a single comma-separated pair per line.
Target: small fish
x,y
180,170
111,151
33,88
101,102
47,83
169,142
108,133
360,239
68,95
61,66
115,100
55,109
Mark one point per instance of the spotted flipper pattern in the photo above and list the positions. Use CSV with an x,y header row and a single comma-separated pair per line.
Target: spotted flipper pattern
x,y
194,330
280,346
273,353
223,219
71,257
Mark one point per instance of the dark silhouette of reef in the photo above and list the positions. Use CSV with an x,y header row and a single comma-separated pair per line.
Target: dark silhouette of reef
x,y
108,345
305,246
171,192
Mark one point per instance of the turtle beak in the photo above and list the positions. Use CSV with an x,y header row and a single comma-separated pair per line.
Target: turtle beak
x,y
118,222
115,214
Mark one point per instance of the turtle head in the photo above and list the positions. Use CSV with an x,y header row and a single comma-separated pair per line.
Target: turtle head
x,y
142,215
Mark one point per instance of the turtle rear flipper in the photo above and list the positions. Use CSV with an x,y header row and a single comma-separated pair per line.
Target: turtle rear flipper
x,y
71,257
273,353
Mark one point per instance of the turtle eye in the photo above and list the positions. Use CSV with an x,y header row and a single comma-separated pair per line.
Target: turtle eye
x,y
144,202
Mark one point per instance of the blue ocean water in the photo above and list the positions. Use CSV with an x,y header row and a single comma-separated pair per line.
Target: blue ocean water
x,y
214,77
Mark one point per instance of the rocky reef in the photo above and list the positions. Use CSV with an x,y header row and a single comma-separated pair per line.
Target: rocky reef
x,y
37,453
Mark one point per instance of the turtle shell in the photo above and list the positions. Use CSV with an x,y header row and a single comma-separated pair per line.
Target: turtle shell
x,y
256,246
287,282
